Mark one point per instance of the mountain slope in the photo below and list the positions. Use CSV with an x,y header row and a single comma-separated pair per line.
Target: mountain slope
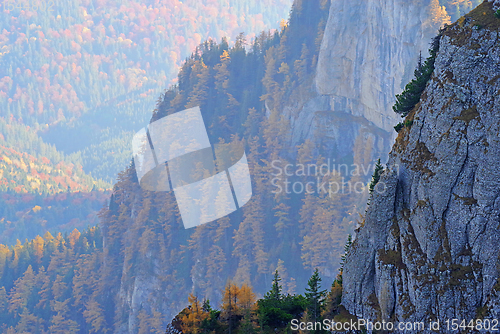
x,y
93,58
24,216
429,245
24,173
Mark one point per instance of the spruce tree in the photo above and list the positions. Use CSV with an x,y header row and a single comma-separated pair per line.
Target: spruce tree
x,y
379,169
409,98
276,310
315,296
343,258
275,293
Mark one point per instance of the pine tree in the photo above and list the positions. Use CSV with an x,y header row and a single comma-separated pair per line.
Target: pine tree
x,y
379,169
275,293
315,296
343,258
276,310
408,99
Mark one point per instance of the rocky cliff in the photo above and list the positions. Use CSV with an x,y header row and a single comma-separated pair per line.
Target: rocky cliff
x,y
429,246
368,52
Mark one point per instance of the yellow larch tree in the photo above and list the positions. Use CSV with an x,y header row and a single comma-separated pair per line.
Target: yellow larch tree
x,y
193,316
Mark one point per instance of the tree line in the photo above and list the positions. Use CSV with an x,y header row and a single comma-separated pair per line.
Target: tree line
x,y
276,312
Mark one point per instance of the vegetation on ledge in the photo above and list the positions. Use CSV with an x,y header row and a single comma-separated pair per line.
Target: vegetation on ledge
x,y
242,313
409,98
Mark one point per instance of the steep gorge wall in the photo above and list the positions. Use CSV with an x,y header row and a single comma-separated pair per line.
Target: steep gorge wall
x,y
429,246
368,53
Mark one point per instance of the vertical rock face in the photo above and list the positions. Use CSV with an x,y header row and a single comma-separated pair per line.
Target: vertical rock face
x,y
368,53
429,247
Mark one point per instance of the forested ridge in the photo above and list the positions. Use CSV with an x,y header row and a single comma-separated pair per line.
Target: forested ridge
x,y
241,91
77,82
276,312
24,173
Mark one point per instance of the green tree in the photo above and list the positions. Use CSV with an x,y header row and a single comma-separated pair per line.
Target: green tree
x,y
343,258
276,310
410,96
315,296
379,169
275,293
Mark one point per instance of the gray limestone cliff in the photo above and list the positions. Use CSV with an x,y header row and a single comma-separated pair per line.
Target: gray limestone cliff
x,y
430,244
368,52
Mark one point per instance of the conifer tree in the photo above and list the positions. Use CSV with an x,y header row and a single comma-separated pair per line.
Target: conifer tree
x,y
347,247
275,293
4,302
315,296
62,325
21,292
246,303
288,285
200,91
379,169
301,65
94,316
193,316
28,323
230,312
407,100
277,310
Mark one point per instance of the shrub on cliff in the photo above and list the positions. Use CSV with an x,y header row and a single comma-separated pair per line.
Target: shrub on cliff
x,y
379,169
407,100
406,124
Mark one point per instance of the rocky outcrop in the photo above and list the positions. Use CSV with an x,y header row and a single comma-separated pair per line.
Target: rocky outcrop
x,y
368,53
429,245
